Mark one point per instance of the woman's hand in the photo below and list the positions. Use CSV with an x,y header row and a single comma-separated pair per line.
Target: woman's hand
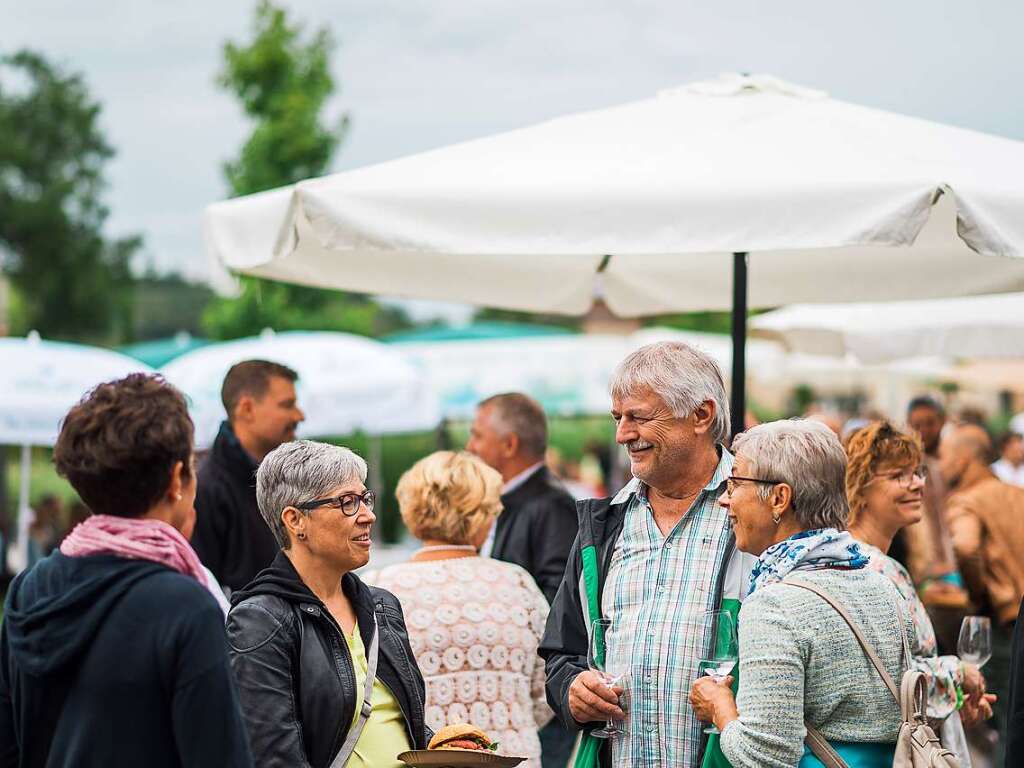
x,y
713,702
977,703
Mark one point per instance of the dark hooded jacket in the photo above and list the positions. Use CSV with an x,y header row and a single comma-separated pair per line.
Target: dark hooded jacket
x,y
295,674
106,661
231,537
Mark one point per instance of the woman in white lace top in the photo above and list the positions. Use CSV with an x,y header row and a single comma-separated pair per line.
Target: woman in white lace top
x,y
474,623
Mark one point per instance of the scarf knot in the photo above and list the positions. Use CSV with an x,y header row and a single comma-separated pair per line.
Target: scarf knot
x,y
816,548
136,539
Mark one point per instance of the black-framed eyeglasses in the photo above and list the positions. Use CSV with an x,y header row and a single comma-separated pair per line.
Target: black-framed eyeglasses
x,y
348,503
906,478
733,480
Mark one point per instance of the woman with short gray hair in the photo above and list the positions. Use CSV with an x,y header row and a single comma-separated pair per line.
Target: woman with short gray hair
x,y
799,660
311,645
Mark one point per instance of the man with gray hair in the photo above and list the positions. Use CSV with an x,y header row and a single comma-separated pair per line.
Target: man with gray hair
x,y
654,559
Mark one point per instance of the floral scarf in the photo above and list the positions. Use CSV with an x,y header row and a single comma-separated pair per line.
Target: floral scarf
x,y
817,548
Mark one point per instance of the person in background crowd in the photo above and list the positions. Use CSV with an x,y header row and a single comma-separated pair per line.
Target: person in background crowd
x,y
44,532
303,632
1015,698
885,481
661,543
474,622
112,649
799,662
538,524
231,538
986,521
929,548
1010,466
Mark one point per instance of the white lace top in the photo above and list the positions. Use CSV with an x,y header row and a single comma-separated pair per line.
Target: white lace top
x,y
474,626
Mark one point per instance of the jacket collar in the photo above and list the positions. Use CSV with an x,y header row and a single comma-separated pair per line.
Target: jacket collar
x,y
230,453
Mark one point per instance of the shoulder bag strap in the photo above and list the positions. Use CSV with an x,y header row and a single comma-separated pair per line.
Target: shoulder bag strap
x,y
367,709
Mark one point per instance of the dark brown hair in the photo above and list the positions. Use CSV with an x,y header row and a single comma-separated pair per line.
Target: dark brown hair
x,y
877,445
118,445
251,377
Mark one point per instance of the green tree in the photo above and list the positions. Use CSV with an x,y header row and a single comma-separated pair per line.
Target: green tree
x,y
71,281
283,81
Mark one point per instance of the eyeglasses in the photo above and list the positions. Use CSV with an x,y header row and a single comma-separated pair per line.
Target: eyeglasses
x,y
733,480
348,503
906,478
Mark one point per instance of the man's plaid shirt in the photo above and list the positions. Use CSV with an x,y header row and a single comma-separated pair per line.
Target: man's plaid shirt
x,y
656,593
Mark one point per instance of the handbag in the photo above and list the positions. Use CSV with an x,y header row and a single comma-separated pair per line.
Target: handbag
x,y
917,746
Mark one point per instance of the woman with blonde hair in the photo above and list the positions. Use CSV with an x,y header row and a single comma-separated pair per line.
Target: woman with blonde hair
x,y
474,623
885,480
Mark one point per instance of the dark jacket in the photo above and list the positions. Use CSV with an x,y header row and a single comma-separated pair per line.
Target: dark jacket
x,y
536,529
565,643
230,537
295,674
1015,701
106,661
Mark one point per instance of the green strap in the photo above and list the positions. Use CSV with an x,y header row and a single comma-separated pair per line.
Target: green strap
x,y
588,754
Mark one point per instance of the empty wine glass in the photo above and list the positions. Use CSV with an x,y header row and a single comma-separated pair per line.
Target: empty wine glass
x,y
610,667
723,649
975,643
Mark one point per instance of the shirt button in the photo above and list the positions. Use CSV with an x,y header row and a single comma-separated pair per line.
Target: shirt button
x,y
651,728
661,587
668,545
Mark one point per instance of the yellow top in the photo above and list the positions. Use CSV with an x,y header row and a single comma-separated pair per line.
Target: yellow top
x,y
383,737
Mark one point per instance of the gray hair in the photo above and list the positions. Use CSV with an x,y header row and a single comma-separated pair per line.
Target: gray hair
x,y
808,457
298,471
681,375
522,416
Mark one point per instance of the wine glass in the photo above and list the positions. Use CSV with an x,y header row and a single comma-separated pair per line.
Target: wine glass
x,y
723,649
975,643
610,667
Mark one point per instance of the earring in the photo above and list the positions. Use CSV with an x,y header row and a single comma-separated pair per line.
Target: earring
x,y
177,497
776,520
301,535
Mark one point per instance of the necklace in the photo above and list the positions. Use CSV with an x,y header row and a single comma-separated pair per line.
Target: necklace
x,y
446,548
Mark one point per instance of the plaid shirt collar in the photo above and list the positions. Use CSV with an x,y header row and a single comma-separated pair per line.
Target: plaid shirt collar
x,y
637,487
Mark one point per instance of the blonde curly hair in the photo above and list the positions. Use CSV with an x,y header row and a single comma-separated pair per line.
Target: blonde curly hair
x,y
870,448
449,497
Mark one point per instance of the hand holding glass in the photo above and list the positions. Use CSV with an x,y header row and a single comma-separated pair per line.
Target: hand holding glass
x,y
723,652
610,667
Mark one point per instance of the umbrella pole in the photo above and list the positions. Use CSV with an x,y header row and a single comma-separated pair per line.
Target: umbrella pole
x,y
738,402
24,510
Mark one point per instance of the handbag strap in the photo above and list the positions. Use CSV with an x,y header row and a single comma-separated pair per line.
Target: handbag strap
x,y
367,708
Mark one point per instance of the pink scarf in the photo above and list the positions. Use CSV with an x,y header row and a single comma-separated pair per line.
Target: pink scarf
x,y
135,539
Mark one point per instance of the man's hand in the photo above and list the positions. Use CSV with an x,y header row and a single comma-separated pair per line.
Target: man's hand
x,y
590,699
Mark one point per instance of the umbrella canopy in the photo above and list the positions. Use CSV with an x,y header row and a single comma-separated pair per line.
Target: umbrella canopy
x,y
157,352
654,206
41,380
818,191
346,383
972,327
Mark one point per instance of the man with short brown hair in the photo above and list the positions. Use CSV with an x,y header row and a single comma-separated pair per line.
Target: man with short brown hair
x,y
986,521
262,413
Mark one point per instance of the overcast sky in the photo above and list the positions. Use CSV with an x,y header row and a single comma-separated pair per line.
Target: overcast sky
x,y
417,74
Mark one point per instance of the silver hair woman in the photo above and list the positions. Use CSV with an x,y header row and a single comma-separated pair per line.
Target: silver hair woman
x,y
799,661
303,633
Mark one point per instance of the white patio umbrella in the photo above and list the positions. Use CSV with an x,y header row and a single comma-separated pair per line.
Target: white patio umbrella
x,y
39,382
346,383
970,327
655,206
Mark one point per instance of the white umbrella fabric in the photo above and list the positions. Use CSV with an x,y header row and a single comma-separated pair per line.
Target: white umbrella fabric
x,y
40,381
969,327
346,383
654,206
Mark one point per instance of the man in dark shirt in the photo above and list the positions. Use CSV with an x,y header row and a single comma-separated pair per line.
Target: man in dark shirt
x,y
231,537
538,525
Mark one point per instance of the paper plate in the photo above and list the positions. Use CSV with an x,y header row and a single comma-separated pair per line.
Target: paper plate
x,y
457,758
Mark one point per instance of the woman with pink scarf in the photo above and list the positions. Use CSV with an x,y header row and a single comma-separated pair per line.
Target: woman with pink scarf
x,y
112,649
